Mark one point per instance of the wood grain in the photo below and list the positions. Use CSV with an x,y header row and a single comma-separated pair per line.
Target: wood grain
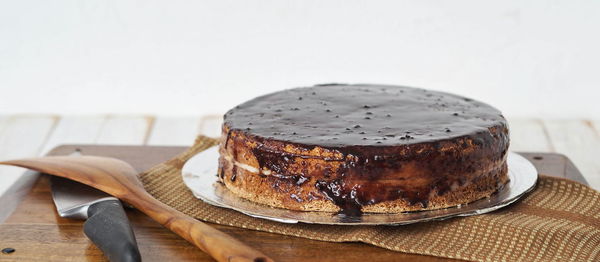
x,y
580,141
38,234
211,125
528,135
3,120
20,136
174,131
74,130
125,130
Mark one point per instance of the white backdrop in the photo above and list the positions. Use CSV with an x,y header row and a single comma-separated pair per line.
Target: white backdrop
x,y
528,58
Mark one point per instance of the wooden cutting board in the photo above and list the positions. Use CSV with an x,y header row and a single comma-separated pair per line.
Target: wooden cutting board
x,y
37,233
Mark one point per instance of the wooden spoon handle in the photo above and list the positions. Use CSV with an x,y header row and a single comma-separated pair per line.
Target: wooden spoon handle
x,y
219,245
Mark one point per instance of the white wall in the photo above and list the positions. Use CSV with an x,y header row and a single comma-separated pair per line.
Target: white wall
x,y
528,58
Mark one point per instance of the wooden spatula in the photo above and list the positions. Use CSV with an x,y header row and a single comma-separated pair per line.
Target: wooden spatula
x,y
119,179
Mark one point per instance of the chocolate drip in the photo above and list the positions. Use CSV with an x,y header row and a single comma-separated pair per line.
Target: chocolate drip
x,y
221,173
346,201
233,174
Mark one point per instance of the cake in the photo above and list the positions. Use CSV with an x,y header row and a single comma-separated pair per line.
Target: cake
x,y
363,148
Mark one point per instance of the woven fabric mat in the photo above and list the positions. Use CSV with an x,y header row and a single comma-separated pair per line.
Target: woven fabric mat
x,y
558,221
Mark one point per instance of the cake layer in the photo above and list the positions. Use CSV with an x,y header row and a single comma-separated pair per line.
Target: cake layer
x,y
259,188
363,148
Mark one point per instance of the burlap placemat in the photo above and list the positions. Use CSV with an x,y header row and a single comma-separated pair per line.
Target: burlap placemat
x,y
558,221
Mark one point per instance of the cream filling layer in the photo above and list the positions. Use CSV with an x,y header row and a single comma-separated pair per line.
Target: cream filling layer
x,y
246,167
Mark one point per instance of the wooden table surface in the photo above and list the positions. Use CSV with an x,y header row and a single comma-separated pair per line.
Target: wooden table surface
x,y
37,233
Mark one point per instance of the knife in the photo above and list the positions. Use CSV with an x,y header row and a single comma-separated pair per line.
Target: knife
x,y
106,222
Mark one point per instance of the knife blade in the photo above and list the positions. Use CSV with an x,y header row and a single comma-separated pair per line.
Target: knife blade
x,y
106,222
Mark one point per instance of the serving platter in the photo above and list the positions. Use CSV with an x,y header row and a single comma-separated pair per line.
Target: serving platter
x,y
200,176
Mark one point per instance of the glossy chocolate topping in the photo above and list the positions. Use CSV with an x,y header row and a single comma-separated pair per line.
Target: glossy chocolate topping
x,y
365,115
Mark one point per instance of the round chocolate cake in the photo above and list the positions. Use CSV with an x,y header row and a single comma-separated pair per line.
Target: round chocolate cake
x,y
363,148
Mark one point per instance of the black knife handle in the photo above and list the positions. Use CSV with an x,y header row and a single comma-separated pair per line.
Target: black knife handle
x,y
108,227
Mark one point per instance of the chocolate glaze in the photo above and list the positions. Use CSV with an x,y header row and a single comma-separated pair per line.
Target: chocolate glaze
x,y
378,130
390,115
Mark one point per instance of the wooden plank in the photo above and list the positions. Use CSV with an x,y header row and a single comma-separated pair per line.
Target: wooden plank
x,y
581,143
125,130
3,121
22,136
75,130
528,135
211,125
596,125
174,131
